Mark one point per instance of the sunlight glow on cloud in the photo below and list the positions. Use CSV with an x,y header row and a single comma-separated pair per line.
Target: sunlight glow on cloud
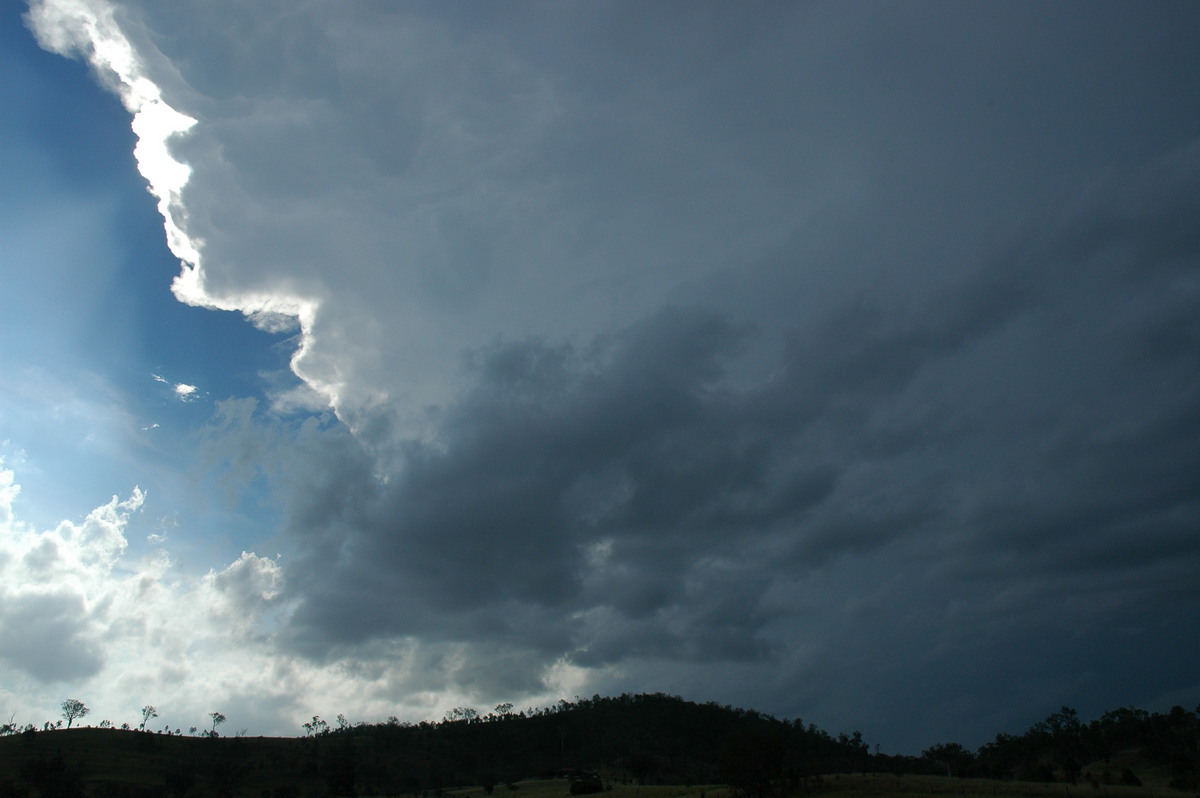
x,y
76,614
90,27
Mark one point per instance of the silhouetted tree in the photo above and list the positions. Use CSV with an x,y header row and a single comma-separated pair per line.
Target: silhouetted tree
x,y
951,757
72,709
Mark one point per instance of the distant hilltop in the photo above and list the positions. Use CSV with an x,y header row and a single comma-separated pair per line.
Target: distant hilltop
x,y
594,744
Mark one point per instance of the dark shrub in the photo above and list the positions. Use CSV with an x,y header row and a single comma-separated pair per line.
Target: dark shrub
x,y
587,784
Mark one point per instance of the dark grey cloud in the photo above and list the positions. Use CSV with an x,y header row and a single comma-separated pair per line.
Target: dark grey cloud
x,y
1015,458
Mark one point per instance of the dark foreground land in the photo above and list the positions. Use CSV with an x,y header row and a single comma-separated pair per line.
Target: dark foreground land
x,y
627,747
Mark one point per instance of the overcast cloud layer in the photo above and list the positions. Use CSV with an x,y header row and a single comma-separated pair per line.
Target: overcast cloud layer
x,y
836,359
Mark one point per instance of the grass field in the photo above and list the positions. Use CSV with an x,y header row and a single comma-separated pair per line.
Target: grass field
x,y
557,788
871,785
880,785
256,767
140,760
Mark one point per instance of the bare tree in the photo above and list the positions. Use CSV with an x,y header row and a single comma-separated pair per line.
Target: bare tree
x,y
72,709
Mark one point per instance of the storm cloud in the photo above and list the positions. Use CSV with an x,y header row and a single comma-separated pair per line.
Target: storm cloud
x,y
840,360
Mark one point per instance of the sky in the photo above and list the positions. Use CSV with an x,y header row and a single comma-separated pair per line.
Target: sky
x,y
836,360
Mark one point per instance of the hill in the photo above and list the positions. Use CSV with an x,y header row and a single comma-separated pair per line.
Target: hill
x,y
643,739
633,741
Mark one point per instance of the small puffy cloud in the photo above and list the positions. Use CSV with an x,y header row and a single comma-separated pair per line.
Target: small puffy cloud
x,y
244,590
182,391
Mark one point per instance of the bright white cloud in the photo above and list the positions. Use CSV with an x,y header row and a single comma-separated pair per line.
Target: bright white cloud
x,y
77,617
183,391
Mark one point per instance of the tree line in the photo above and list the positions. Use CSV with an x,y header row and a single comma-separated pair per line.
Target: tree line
x,y
73,709
596,742
644,738
664,739
1059,747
